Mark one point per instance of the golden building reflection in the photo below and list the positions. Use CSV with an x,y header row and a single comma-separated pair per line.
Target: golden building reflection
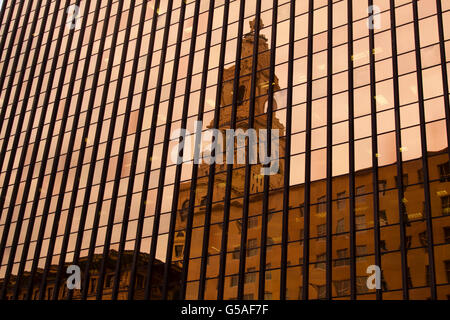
x,y
390,240
142,263
403,247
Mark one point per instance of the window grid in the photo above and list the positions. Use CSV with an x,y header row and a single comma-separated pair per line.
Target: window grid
x,y
75,138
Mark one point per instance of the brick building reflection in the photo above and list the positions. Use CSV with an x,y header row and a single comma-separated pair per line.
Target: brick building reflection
x,y
415,240
390,241
157,279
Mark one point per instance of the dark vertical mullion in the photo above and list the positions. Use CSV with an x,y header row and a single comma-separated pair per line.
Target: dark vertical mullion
x,y
399,164
157,101
178,172
147,171
19,169
423,137
351,135
15,144
375,175
10,86
16,7
5,22
10,46
13,107
135,151
59,143
98,133
444,70
86,130
70,147
166,139
208,211
329,222
37,139
103,181
248,168
48,143
123,139
197,152
264,220
287,154
228,185
307,184
148,163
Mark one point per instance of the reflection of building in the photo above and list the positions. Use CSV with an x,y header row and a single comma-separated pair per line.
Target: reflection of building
x,y
86,117
109,279
242,114
390,241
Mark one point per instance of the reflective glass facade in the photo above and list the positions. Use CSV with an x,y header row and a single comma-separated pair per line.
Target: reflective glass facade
x,y
106,149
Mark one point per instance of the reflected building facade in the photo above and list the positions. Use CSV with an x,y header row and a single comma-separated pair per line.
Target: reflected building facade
x,y
108,283
358,91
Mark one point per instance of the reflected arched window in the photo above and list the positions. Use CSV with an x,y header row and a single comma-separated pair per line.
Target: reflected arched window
x,y
180,234
241,95
184,210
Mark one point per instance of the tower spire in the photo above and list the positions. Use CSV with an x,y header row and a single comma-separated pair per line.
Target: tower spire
x,y
253,25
